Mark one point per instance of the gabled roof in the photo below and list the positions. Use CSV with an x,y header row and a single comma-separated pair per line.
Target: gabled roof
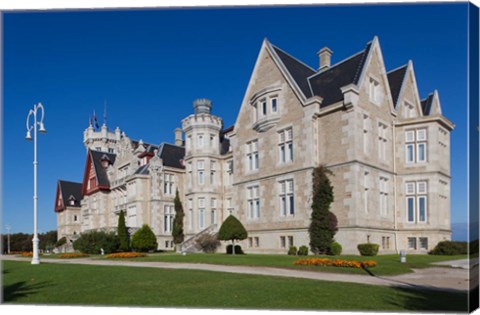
x,y
100,171
172,155
427,104
298,70
328,83
68,189
395,80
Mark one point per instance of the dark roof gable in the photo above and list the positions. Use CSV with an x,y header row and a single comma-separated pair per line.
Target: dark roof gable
x,y
395,80
427,104
172,155
100,171
70,189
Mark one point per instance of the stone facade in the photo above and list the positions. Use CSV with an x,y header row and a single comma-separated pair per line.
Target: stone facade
x,y
388,150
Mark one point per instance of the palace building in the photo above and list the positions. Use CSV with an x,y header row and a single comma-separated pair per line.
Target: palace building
x,y
387,147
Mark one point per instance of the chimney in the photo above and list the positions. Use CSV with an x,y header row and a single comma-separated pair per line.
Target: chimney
x,y
325,57
178,137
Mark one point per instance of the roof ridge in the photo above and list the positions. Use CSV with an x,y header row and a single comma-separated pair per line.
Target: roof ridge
x,y
335,65
294,58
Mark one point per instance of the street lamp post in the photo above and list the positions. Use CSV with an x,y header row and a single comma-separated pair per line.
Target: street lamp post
x,y
41,129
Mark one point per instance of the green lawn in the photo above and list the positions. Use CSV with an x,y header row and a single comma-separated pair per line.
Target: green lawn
x,y
386,264
72,284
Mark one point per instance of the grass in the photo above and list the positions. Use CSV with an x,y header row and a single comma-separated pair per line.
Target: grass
x,y
72,284
386,264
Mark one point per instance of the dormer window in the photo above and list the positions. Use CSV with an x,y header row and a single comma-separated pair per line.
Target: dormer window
x,y
409,110
264,107
71,200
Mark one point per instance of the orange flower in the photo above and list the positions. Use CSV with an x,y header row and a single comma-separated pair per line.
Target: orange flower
x,y
126,255
72,255
335,263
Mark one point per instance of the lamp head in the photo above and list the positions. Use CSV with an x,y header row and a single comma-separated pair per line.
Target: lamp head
x,y
28,136
42,128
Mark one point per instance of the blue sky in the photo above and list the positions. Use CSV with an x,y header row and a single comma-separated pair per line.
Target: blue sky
x,y
150,65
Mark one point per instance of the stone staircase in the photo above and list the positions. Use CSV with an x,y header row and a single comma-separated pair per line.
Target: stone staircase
x,y
189,245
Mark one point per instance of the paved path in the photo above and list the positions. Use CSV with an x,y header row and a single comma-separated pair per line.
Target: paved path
x,y
459,263
437,278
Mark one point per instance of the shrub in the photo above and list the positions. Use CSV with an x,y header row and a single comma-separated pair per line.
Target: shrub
x,y
122,233
368,249
292,250
335,249
303,251
61,242
323,225
144,240
232,230
177,232
207,243
92,242
238,249
450,248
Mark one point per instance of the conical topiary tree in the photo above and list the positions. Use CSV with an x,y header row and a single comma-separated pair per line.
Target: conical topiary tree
x,y
177,231
323,224
144,239
122,233
232,230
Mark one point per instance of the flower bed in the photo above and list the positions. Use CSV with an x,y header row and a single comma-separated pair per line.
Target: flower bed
x,y
28,254
126,255
335,263
72,255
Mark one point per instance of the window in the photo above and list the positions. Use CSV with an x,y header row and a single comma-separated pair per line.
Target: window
x,y
285,145
283,243
132,216
168,184
75,218
252,155
385,242
188,142
264,107
253,202
417,207
257,241
201,172
412,243
190,172
423,242
416,146
201,212
287,200
383,185
168,218
250,242
366,189
273,102
382,141
212,172
230,206
290,241
200,140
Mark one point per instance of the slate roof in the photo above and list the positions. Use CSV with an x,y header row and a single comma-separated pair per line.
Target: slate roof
x,y
68,189
97,157
427,104
395,80
172,155
326,84
224,145
299,71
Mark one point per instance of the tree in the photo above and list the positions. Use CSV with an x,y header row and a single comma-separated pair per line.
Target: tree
x,y
232,230
144,239
177,231
323,225
122,233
